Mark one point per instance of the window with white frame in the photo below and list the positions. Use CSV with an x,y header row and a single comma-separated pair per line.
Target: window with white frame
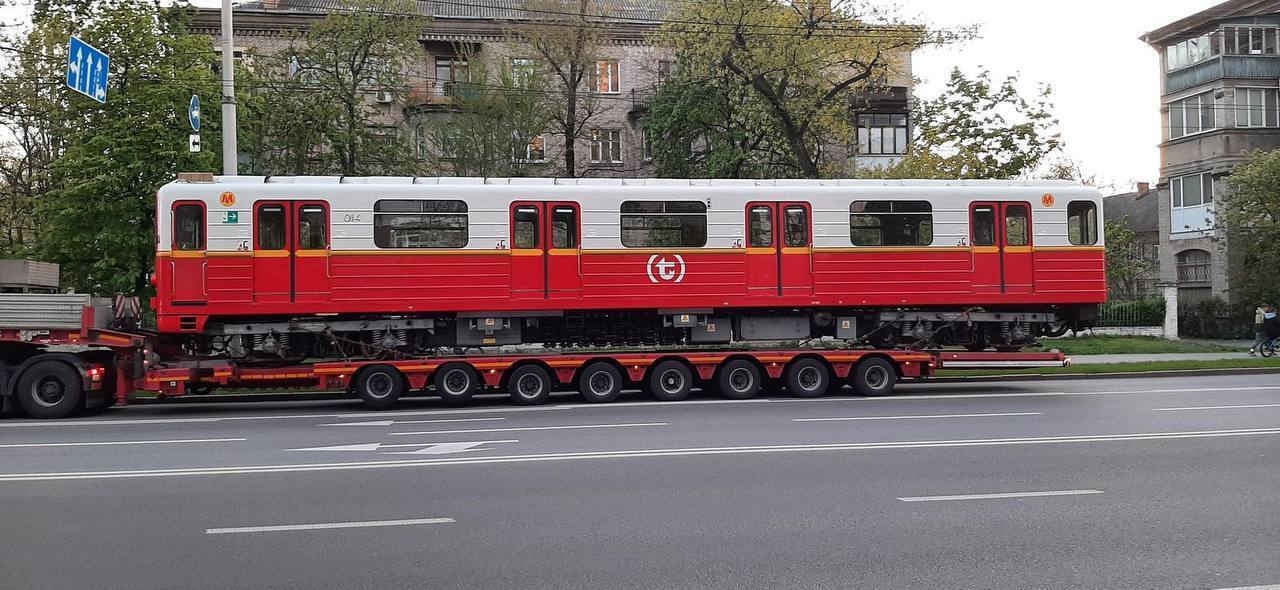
x,y
667,69
646,145
523,71
882,134
1191,115
1192,51
1249,40
608,79
1256,107
606,146
1192,203
534,151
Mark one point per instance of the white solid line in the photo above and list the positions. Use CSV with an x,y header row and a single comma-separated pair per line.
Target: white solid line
x,y
1268,587
925,417
1217,408
340,416
999,496
326,525
527,428
109,443
686,452
390,422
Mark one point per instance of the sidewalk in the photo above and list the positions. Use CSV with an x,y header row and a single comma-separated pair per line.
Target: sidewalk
x,y
1109,359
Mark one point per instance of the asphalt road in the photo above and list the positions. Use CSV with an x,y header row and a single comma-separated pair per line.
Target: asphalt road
x,y
1153,483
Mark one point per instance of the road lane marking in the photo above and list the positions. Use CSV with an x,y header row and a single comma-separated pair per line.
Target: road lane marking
x,y
921,417
111,443
528,428
678,452
327,526
1269,587
1189,408
999,496
429,448
339,416
908,397
390,422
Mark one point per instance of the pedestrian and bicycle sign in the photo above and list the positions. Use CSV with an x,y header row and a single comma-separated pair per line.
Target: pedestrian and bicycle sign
x,y
193,113
87,70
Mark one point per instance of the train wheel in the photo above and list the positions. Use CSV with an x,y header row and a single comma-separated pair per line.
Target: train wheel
x,y
380,386
739,379
50,389
529,385
670,381
600,383
808,378
874,377
456,383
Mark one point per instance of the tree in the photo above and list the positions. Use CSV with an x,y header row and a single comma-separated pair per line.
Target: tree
x,y
1125,261
800,62
981,129
1248,216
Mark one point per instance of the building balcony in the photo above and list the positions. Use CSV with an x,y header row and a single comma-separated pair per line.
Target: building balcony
x,y
440,95
1263,67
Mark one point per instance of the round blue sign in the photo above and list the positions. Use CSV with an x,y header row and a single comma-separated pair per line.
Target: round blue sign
x,y
193,113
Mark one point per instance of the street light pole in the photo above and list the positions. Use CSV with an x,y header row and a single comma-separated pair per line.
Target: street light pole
x,y
230,148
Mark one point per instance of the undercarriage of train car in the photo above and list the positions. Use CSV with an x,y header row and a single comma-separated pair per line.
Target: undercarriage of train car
x,y
283,339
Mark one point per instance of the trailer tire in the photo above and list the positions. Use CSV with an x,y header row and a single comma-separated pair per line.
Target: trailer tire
x,y
808,377
600,383
50,389
670,381
380,386
874,377
529,385
739,379
456,383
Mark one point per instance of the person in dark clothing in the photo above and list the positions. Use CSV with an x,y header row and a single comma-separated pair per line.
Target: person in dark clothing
x,y
1270,324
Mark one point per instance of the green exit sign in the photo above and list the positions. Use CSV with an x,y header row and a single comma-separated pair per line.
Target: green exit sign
x,y
230,217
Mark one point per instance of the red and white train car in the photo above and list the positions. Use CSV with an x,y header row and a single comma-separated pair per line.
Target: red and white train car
x,y
416,263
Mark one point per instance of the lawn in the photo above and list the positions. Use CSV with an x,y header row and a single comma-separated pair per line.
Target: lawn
x,y
1127,345
1250,363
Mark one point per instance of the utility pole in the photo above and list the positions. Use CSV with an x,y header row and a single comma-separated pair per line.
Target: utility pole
x,y
230,146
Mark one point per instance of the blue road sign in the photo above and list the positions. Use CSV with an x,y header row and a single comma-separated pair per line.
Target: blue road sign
x,y
87,70
193,113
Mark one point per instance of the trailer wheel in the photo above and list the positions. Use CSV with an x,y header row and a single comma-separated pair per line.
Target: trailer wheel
x,y
670,381
874,377
456,382
529,385
739,379
50,389
808,377
380,386
600,383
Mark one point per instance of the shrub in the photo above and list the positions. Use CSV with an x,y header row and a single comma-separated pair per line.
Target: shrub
x,y
1216,319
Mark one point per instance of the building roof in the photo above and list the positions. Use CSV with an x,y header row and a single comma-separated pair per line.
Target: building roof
x,y
1142,209
630,11
1207,17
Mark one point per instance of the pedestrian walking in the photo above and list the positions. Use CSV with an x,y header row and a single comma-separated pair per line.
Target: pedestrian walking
x,y
1259,333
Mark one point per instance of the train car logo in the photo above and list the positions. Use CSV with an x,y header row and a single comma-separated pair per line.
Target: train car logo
x,y
227,199
1047,200
663,270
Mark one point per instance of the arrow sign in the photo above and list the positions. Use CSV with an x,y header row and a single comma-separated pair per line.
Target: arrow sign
x,y
193,113
444,448
87,69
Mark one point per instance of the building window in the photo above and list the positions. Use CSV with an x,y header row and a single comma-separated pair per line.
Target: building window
x,y
607,78
606,146
646,145
1256,107
1249,40
420,224
667,69
1191,115
1082,223
449,72
188,227
664,224
535,151
1192,203
1192,51
523,71
882,134
1193,266
891,223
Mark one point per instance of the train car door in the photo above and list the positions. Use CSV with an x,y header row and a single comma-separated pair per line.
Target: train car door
x,y
1000,239
546,242
187,257
779,249
290,252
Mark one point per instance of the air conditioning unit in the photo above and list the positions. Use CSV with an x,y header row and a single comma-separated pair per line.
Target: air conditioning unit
x,y
384,97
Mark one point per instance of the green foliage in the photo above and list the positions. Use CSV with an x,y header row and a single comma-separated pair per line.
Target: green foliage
x,y
1249,214
1125,260
1216,318
1085,345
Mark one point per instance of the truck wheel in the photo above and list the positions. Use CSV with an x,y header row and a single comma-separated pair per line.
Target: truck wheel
x,y
808,378
456,383
874,377
600,383
529,385
380,386
670,381
739,379
50,389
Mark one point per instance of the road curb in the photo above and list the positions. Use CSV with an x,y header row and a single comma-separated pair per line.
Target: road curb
x,y
1125,375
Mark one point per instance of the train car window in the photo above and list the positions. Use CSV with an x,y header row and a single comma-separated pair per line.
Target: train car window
x,y
664,224
313,226
420,224
526,230
188,227
984,226
271,227
891,223
1016,226
564,228
797,228
761,227
1082,223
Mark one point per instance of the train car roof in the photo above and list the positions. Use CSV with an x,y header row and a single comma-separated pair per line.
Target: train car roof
x,y
202,178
